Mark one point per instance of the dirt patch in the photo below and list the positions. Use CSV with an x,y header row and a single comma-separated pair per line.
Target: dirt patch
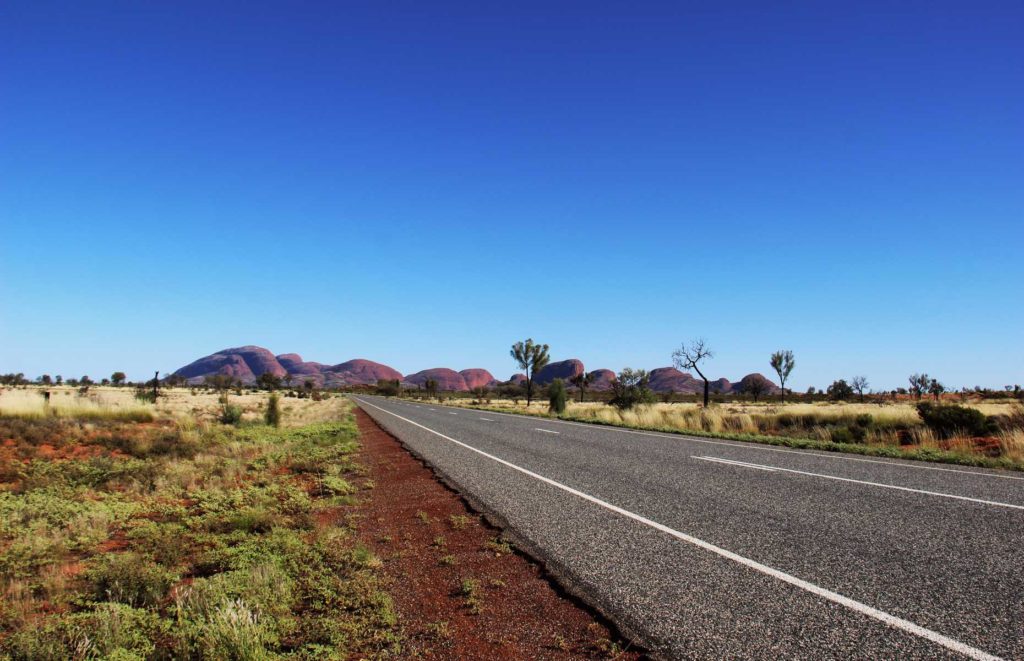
x,y
460,591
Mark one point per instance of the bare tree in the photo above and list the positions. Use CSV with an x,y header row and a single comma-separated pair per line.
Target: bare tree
x,y
860,384
783,363
919,384
530,357
690,356
582,381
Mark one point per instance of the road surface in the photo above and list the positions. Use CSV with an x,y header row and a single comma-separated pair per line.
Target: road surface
x,y
705,548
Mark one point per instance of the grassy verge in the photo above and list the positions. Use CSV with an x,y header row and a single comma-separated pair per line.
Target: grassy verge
x,y
887,451
166,540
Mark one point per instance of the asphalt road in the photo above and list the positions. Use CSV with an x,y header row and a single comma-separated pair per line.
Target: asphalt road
x,y
701,548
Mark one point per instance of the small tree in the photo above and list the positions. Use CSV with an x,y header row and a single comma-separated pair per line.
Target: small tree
x,y
935,388
690,356
117,378
430,386
45,380
512,391
630,389
85,380
860,384
388,387
481,393
754,387
556,397
840,390
919,384
58,379
269,380
782,362
288,378
273,414
530,357
582,381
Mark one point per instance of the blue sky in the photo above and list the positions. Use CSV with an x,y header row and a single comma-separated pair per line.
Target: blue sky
x,y
424,183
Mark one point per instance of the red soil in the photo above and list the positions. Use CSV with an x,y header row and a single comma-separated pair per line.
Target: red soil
x,y
517,612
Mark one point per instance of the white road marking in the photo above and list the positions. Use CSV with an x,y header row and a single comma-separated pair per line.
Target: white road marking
x,y
452,413
546,431
735,463
754,445
817,590
433,409
487,419
865,482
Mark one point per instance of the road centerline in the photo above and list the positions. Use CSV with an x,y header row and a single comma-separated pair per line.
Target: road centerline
x,y
807,586
882,485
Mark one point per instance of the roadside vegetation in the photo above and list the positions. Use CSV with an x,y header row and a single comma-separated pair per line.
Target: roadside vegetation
x,y
134,530
925,420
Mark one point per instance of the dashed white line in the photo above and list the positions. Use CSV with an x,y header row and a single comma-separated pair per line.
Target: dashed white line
x,y
452,413
487,419
546,431
835,597
720,460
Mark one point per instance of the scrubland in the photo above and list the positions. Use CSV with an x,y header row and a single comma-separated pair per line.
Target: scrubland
x,y
131,530
892,429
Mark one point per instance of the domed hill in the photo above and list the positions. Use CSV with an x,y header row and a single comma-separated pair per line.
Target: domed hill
x,y
666,379
447,379
476,378
361,372
242,363
249,362
767,386
721,385
564,370
601,379
518,379
294,365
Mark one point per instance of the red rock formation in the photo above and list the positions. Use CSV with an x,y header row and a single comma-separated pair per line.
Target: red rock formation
x,y
361,372
767,385
476,378
519,379
669,379
601,379
564,370
447,379
244,363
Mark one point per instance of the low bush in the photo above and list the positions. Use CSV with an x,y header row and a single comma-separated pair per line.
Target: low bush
x,y
557,396
949,420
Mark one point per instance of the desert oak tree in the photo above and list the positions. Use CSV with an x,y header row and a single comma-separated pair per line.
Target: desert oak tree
x,y
783,363
530,357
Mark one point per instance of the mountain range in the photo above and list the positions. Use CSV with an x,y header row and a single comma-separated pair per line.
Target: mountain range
x,y
247,363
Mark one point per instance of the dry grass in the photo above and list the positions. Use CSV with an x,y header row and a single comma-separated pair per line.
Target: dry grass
x,y
188,406
889,425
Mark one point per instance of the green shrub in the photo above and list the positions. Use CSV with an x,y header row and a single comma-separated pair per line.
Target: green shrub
x,y
230,414
949,420
273,415
556,397
630,389
129,578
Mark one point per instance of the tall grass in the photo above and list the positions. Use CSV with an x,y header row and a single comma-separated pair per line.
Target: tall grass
x,y
30,404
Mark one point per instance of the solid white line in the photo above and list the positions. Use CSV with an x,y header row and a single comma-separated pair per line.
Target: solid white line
x,y
835,597
865,482
718,460
546,431
753,445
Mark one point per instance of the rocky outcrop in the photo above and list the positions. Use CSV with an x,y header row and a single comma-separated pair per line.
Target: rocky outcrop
x,y
518,379
363,372
564,370
601,379
477,378
669,379
446,379
244,364
766,386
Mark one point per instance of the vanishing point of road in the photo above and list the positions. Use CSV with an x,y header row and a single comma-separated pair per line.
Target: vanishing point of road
x,y
707,548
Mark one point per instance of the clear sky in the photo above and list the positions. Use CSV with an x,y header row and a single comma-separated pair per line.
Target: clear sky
x,y
424,183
